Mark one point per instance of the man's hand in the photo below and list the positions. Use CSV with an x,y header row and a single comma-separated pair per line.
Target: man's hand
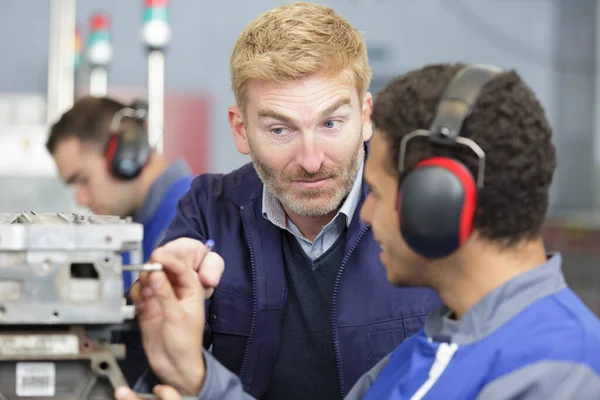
x,y
163,392
171,312
208,265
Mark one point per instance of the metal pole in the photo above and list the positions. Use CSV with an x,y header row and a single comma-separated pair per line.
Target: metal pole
x,y
61,69
156,34
98,81
67,87
156,94
53,61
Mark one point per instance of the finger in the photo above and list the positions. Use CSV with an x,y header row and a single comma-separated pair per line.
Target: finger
x,y
165,295
190,262
148,310
180,276
125,393
135,292
165,392
184,247
211,270
143,277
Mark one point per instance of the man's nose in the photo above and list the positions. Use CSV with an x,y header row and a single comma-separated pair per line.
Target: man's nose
x,y
311,156
82,196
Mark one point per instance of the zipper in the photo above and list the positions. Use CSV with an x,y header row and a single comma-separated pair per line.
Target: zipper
x,y
254,294
443,356
336,345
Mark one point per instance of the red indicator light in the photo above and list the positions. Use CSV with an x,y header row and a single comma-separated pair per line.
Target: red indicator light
x,y
155,3
99,22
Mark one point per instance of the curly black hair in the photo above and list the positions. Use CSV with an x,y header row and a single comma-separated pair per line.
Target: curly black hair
x,y
507,122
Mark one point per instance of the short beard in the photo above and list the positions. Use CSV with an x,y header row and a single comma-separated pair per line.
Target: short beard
x,y
311,202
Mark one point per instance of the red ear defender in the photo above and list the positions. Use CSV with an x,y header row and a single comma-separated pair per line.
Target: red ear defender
x,y
437,199
127,151
469,188
111,149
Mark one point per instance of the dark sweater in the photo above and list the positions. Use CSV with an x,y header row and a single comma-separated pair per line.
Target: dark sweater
x,y
306,365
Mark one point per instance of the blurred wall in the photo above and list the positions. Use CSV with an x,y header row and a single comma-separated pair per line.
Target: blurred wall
x,y
551,44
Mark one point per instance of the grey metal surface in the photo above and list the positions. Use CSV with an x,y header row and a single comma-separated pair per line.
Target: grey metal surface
x,y
91,372
72,382
61,298
63,268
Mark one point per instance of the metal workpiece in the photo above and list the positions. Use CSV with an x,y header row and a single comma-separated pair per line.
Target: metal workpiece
x,y
32,232
60,268
66,363
61,300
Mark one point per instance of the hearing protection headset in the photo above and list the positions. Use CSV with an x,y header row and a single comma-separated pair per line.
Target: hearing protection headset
x,y
128,150
437,200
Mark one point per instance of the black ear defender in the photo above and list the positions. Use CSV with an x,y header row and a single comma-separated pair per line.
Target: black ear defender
x,y
437,199
127,150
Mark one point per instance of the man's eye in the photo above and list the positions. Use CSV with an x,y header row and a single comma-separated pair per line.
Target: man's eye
x,y
278,131
331,124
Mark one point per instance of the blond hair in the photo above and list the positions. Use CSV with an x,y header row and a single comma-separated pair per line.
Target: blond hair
x,y
296,41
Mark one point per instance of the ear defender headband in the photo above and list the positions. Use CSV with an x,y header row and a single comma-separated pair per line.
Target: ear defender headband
x,y
128,150
437,200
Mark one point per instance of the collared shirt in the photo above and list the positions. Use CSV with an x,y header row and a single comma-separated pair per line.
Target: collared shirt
x,y
273,211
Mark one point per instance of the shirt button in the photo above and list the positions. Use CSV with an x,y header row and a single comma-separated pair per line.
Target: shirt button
x,y
318,253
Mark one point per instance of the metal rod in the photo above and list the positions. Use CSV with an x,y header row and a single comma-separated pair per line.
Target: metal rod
x,y
67,85
156,92
143,267
53,60
61,70
98,82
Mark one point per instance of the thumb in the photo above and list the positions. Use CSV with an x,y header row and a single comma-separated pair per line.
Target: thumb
x,y
125,393
165,392
165,295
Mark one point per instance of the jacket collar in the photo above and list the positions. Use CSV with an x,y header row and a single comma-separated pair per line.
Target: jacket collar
x,y
499,306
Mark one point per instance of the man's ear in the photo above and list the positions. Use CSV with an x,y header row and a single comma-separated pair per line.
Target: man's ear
x,y
238,128
367,109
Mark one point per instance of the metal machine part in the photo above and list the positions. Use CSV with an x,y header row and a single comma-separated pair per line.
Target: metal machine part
x,y
61,297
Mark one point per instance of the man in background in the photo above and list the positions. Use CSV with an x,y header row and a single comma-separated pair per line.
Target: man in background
x,y
101,148
114,169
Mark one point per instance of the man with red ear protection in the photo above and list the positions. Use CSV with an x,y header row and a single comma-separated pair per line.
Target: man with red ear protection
x,y
101,149
459,168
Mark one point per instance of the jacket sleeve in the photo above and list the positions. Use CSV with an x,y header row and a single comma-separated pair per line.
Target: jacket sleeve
x,y
548,380
190,222
220,383
362,386
190,218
